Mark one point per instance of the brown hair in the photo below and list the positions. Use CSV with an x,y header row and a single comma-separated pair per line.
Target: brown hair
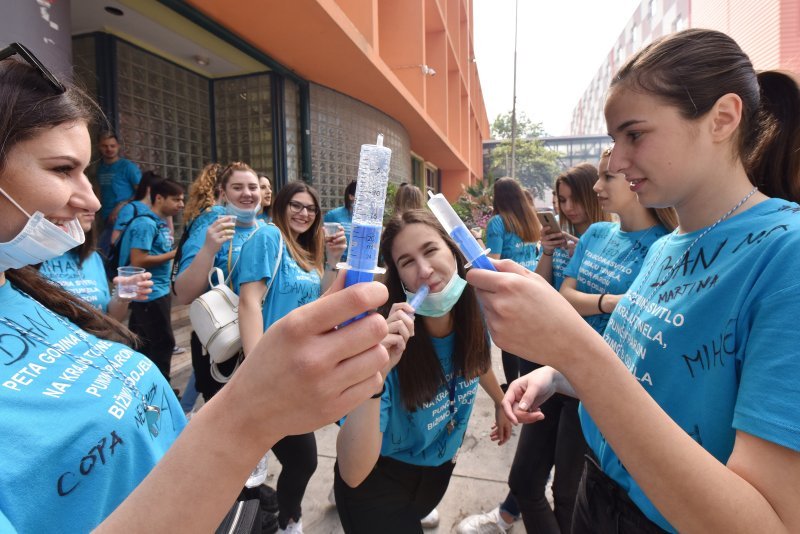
x,y
203,192
419,371
308,250
580,180
267,210
668,217
28,106
408,197
692,69
515,210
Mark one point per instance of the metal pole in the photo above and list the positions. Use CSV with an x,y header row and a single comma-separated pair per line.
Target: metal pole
x,y
514,101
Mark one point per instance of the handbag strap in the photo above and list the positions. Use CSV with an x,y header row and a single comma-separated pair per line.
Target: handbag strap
x,y
277,266
230,254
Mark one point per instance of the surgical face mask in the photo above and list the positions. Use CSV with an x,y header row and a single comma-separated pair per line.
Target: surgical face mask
x,y
440,303
40,240
243,215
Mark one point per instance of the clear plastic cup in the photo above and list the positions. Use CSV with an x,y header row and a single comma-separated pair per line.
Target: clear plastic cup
x,y
228,220
128,278
331,228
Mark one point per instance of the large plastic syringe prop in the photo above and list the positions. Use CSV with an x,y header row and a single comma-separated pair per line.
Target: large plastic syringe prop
x,y
455,227
365,234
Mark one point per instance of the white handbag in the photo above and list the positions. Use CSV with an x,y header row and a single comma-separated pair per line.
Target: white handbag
x,y
215,318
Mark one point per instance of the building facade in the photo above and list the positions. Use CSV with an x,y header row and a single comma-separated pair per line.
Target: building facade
x,y
767,30
291,88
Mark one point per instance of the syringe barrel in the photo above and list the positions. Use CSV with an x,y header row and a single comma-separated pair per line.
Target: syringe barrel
x,y
444,212
373,177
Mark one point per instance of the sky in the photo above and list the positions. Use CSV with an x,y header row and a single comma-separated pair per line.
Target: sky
x,y
560,46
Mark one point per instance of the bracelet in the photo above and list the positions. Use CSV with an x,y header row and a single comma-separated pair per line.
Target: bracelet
x,y
600,302
546,254
380,394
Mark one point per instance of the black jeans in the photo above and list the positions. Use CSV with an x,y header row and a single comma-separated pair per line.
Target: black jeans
x,y
298,458
393,498
151,321
602,507
556,441
511,366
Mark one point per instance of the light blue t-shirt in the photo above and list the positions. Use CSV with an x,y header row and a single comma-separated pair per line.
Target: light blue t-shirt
x,y
128,212
292,287
118,182
560,262
149,233
713,338
76,442
87,281
197,237
421,437
509,245
606,260
345,218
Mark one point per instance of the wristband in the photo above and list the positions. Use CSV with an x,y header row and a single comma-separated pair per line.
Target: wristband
x,y
600,302
546,254
380,394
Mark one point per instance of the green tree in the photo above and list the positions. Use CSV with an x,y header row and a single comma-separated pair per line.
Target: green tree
x,y
536,166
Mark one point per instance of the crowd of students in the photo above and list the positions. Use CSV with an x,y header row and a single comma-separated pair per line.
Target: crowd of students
x,y
650,355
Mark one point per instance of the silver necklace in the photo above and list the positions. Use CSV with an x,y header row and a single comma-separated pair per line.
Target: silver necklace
x,y
676,266
152,413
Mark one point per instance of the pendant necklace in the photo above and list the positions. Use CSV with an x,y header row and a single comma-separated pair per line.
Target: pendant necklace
x,y
683,257
152,413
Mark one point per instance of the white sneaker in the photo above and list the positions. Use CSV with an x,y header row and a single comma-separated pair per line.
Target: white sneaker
x,y
292,528
431,520
487,523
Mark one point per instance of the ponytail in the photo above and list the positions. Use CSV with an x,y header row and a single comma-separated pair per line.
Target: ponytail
x,y
773,161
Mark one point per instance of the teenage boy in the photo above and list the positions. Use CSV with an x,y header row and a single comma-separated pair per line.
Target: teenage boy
x,y
147,243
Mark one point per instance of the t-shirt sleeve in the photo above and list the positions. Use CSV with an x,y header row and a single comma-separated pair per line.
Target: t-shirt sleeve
x,y
494,235
257,258
574,265
142,233
134,174
386,404
769,391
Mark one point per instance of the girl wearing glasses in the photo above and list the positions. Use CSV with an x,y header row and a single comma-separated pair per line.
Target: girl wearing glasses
x,y
689,399
283,267
99,438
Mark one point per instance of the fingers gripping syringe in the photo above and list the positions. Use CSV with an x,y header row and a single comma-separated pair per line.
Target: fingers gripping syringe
x,y
365,235
455,227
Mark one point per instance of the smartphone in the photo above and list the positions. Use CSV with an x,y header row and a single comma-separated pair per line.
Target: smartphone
x,y
548,218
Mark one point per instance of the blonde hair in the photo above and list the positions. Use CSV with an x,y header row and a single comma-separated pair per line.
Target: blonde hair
x,y
203,192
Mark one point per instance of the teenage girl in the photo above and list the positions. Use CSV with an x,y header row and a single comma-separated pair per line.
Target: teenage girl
x,y
396,452
265,184
408,197
267,294
215,240
689,404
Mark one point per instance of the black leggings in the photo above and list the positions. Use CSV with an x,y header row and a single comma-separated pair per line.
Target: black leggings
x,y
298,458
392,499
511,366
151,321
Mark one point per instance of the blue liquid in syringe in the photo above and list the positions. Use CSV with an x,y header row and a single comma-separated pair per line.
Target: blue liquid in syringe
x,y
470,248
363,254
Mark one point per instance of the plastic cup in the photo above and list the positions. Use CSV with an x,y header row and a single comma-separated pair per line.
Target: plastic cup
x,y
127,281
331,228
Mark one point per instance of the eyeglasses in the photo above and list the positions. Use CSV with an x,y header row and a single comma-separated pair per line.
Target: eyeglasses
x,y
297,207
27,55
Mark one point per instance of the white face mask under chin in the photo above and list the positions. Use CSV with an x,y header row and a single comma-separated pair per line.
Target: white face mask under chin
x,y
40,240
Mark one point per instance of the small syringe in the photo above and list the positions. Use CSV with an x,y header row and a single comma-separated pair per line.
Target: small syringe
x,y
365,234
455,227
419,296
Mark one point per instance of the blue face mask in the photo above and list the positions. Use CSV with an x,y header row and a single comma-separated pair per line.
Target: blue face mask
x,y
440,303
243,216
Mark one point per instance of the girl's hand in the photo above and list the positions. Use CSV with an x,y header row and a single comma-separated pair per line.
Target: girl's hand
x,y
400,323
219,232
501,429
524,312
552,240
335,246
526,394
144,286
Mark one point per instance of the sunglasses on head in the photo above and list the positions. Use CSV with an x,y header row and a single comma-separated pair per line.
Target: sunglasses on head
x,y
30,59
